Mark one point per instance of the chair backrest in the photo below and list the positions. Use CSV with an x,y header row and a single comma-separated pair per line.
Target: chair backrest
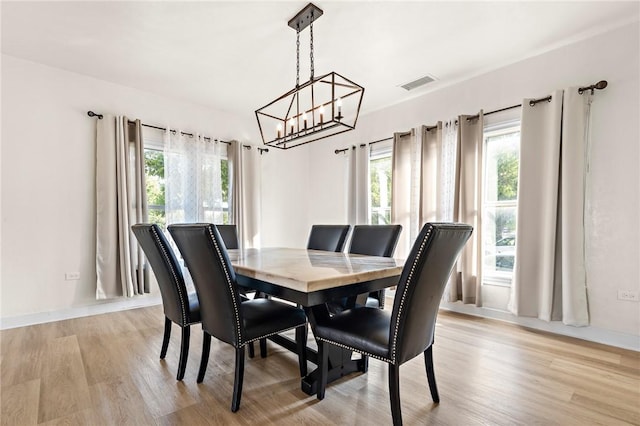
x,y
375,240
421,285
328,237
229,234
167,270
214,278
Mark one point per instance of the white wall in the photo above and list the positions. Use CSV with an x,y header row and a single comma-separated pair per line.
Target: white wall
x,y
48,163
285,197
613,214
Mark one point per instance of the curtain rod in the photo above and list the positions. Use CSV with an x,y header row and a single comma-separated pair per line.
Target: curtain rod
x,y
207,138
362,145
378,141
599,85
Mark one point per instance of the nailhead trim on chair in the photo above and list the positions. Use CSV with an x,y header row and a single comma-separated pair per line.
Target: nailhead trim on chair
x,y
229,283
404,293
175,276
271,334
392,360
357,350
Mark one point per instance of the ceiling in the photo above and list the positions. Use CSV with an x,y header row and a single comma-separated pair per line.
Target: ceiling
x,y
238,55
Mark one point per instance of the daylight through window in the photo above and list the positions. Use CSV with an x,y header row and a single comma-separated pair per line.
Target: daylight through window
x,y
502,152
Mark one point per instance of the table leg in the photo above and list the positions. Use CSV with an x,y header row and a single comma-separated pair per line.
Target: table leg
x,y
340,362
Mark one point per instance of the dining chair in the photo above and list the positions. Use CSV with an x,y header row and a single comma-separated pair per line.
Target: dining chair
x,y
408,330
328,237
375,240
180,305
229,234
225,315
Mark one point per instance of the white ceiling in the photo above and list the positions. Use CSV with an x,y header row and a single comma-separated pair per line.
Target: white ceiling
x,y
238,55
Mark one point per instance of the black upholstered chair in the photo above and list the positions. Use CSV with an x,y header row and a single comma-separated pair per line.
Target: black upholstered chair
x,y
375,240
406,332
180,306
225,315
328,237
229,234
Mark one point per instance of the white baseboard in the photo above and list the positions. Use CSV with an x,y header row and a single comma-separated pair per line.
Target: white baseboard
x,y
592,334
100,307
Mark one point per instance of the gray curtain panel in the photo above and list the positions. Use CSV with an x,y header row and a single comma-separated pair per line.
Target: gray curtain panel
x,y
120,203
549,273
431,174
245,193
357,185
467,208
404,194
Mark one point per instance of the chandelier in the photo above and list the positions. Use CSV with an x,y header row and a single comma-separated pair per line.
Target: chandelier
x,y
321,107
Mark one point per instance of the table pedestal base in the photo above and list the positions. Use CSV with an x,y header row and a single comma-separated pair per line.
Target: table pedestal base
x,y
309,383
340,363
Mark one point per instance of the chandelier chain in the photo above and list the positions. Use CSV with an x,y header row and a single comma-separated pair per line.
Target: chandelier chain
x,y
298,56
311,45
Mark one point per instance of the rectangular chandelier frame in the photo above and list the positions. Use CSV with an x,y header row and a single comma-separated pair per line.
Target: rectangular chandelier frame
x,y
311,111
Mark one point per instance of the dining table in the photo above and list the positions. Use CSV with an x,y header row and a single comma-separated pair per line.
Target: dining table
x,y
311,279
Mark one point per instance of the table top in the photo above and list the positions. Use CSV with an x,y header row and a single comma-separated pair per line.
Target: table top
x,y
311,270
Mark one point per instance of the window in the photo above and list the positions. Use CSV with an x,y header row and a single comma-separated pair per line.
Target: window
x,y
500,192
380,183
154,176
224,176
155,183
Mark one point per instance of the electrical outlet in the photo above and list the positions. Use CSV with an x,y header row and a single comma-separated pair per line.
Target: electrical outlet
x,y
628,295
72,276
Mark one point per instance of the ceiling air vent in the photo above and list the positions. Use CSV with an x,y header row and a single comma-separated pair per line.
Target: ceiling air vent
x,y
419,82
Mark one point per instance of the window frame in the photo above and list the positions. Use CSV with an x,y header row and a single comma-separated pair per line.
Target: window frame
x,y
379,151
153,140
497,278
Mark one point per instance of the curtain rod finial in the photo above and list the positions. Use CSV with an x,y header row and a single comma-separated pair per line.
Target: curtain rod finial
x,y
601,84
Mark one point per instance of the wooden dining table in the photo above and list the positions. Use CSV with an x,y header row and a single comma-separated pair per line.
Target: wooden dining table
x,y
311,278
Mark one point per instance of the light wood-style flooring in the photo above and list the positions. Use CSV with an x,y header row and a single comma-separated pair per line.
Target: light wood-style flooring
x,y
105,370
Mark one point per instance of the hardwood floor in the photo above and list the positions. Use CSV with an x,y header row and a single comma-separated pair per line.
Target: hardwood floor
x,y
106,369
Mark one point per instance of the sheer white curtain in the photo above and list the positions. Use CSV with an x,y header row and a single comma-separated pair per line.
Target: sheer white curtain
x,y
193,190
447,170
437,172
120,202
357,159
245,178
549,273
437,181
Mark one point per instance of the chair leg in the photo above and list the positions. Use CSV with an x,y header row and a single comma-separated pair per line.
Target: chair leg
x,y
323,360
165,339
365,363
263,348
394,394
184,351
301,344
431,376
204,359
237,384
252,351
